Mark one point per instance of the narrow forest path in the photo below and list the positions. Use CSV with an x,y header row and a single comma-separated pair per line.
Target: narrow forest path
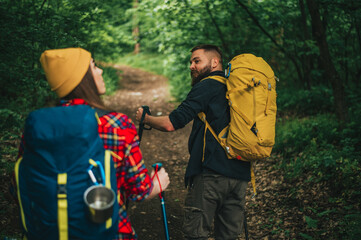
x,y
142,88
266,214
275,213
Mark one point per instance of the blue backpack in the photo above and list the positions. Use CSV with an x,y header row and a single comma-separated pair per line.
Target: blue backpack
x,y
62,143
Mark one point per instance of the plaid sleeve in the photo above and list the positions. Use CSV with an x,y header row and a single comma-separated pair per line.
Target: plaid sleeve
x,y
120,135
137,183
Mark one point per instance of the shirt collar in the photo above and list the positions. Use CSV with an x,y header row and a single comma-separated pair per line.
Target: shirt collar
x,y
75,101
217,73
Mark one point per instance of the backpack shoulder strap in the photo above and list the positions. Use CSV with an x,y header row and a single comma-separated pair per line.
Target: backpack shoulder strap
x,y
202,116
229,152
101,112
217,78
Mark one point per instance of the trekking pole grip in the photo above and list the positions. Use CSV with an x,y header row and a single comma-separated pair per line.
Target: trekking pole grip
x,y
145,111
141,123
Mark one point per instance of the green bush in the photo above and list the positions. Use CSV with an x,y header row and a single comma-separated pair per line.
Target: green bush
x,y
293,135
302,102
178,73
314,146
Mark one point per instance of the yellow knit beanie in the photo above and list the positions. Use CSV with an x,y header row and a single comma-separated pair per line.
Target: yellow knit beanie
x,y
65,68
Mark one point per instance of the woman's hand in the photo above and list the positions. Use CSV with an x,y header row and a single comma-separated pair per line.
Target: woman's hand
x,y
162,179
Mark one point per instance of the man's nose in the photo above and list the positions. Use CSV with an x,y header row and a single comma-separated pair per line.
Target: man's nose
x,y
192,66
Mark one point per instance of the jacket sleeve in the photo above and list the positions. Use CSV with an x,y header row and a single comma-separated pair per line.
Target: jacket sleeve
x,y
196,101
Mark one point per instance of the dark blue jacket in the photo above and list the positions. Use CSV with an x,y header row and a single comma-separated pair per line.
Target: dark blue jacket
x,y
208,96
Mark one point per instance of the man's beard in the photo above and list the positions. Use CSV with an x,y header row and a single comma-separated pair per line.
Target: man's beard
x,y
201,74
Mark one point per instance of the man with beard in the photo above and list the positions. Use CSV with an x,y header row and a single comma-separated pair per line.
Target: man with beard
x,y
216,185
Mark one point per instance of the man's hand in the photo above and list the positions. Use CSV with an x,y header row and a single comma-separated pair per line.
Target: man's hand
x,y
161,123
139,113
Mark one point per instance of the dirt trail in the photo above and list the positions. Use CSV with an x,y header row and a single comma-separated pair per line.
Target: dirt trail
x,y
143,88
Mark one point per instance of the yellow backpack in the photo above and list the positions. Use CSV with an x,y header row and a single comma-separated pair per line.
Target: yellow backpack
x,y
251,94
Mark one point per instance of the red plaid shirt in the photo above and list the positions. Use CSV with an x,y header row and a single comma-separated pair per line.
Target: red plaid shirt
x,y
120,136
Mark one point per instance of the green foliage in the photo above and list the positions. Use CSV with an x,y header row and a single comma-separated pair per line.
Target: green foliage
x,y
311,223
293,135
302,102
27,29
352,223
305,236
315,146
178,74
174,27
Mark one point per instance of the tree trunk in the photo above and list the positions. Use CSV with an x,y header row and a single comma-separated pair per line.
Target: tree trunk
x,y
357,24
327,64
136,30
306,59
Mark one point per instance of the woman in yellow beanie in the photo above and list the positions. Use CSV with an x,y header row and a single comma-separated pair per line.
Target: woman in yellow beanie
x,y
75,78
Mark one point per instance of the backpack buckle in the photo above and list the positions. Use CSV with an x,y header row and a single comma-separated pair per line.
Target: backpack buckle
x,y
61,191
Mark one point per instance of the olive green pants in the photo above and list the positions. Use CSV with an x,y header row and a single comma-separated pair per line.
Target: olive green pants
x,y
212,197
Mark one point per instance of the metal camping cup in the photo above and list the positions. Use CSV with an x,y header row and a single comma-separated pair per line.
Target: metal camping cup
x,y
100,201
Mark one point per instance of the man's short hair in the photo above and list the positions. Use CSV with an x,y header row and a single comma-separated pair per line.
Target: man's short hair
x,y
207,48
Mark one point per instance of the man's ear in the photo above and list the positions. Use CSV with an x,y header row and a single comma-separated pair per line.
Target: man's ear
x,y
214,63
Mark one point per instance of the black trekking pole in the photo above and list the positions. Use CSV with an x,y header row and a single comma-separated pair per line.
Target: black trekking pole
x,y
156,167
141,123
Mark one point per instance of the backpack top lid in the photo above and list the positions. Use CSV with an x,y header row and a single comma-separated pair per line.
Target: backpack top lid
x,y
52,125
67,131
252,62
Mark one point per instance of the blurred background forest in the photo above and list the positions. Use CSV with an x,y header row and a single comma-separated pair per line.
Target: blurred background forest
x,y
314,47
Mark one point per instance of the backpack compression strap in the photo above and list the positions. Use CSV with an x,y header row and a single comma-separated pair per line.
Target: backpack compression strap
x,y
62,207
107,162
17,165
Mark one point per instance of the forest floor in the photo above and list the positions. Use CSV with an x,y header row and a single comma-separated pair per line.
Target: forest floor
x,y
273,214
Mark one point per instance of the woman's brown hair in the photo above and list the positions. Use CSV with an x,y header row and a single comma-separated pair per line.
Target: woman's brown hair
x,y
88,91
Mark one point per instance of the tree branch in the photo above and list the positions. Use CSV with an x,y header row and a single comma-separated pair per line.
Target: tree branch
x,y
255,20
224,45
